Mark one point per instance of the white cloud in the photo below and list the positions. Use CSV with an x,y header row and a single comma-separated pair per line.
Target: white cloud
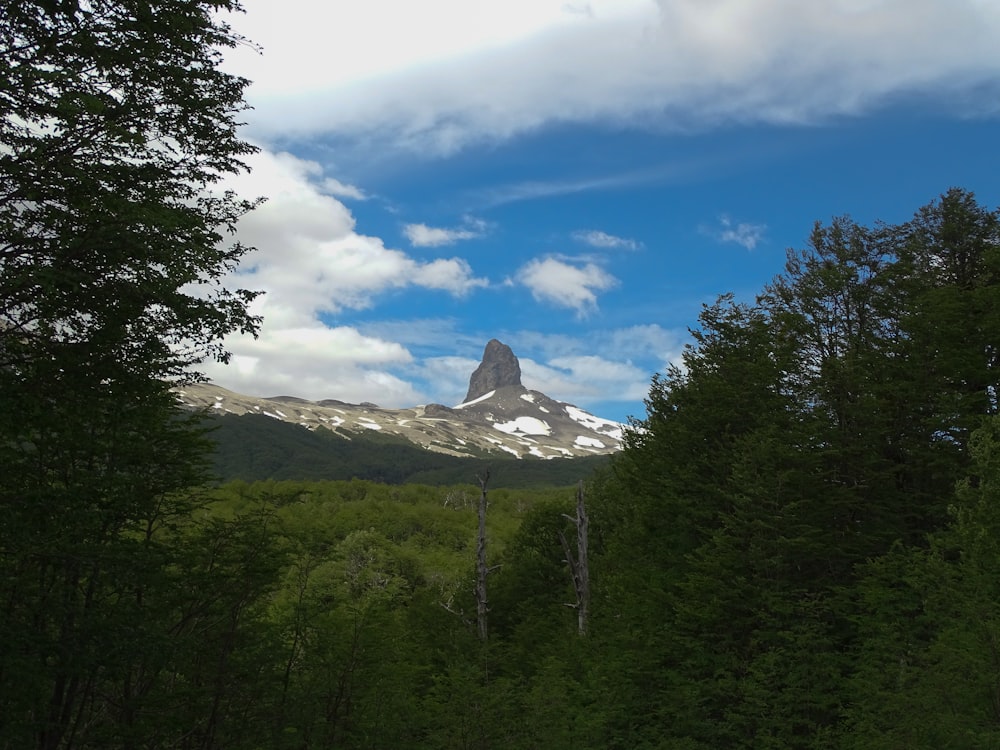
x,y
309,257
661,347
565,284
584,379
310,261
597,238
421,235
445,73
450,275
529,190
342,190
741,233
316,362
448,376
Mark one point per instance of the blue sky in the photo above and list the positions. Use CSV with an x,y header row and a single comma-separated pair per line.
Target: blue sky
x,y
574,178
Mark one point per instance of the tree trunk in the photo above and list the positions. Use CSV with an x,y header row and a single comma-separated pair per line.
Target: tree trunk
x,y
579,567
481,570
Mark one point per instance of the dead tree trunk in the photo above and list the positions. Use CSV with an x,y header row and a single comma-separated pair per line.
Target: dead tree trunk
x,y
579,567
482,607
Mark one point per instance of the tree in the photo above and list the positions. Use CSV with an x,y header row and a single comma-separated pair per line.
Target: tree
x,y
116,119
675,508
840,301
482,569
579,565
116,122
949,268
813,433
929,671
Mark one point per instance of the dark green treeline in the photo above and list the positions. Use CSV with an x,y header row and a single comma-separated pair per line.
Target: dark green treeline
x,y
803,530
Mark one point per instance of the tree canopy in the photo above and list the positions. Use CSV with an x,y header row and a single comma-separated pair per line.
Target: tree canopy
x,y
812,442
116,126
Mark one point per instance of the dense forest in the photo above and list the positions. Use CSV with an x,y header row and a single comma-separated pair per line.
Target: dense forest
x,y
798,547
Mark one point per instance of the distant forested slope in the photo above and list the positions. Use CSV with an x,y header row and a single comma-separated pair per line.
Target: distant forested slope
x,y
254,447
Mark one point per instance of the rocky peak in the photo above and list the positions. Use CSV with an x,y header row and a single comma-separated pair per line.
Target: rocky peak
x,y
498,369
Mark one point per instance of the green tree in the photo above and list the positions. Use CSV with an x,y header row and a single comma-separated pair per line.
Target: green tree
x,y
930,655
822,427
841,302
115,124
674,494
949,270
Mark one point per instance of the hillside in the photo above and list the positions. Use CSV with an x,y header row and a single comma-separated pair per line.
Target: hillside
x,y
253,447
500,418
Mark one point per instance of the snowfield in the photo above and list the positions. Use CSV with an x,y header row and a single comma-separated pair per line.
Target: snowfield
x,y
524,426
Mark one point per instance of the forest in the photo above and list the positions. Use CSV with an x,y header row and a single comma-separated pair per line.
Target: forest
x,y
798,546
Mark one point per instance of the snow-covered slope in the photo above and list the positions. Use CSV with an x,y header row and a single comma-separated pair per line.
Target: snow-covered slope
x,y
510,419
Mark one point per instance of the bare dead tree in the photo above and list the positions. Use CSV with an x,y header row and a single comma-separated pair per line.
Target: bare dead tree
x,y
482,571
579,567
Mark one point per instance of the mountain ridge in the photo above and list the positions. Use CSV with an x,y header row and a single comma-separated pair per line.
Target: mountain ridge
x,y
506,419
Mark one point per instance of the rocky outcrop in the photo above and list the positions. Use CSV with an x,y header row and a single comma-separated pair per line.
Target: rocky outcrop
x,y
498,369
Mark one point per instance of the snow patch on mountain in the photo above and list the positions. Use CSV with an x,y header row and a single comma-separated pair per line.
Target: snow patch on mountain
x,y
509,419
597,424
475,400
503,446
524,426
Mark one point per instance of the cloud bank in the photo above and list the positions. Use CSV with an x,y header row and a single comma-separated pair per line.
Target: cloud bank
x,y
442,74
376,79
311,264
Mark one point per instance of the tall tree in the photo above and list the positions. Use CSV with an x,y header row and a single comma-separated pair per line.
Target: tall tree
x,y
819,428
116,121
482,569
579,564
949,267
929,661
839,301
677,487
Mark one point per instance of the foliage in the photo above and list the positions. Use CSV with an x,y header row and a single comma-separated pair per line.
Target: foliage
x,y
115,123
783,493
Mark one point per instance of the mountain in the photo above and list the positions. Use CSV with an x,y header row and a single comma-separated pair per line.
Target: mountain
x,y
499,416
499,369
252,447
